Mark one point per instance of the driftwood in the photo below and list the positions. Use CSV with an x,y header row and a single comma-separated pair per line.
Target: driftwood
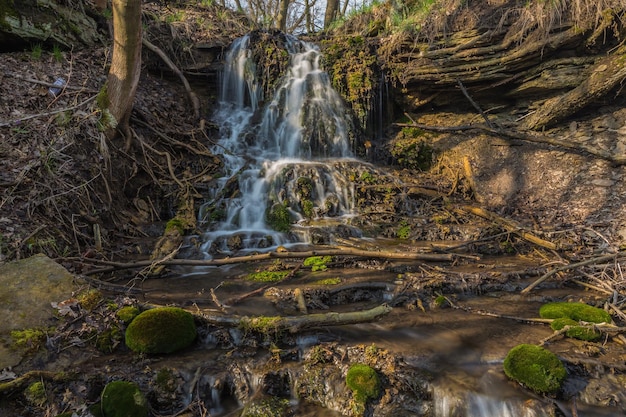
x,y
399,256
294,324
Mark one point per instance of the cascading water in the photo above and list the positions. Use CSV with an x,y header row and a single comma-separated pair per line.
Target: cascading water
x,y
282,155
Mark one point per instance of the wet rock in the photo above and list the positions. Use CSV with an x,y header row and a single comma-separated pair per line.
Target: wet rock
x,y
27,289
607,391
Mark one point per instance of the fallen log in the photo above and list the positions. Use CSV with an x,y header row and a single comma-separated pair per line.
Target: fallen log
x,y
399,256
294,324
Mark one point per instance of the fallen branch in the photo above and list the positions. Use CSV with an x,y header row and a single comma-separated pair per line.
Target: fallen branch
x,y
496,315
192,96
50,113
294,324
115,266
509,225
22,381
591,261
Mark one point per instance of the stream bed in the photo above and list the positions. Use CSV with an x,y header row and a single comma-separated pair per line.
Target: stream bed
x,y
434,360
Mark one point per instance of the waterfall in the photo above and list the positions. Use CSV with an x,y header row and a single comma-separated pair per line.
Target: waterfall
x,y
281,154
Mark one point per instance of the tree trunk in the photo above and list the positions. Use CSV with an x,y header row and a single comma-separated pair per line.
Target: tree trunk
x,y
126,62
281,21
332,6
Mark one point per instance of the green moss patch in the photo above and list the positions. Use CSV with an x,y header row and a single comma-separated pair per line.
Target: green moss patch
x,y
364,382
267,407
576,331
36,394
535,367
574,311
318,263
267,276
123,399
127,314
278,217
161,330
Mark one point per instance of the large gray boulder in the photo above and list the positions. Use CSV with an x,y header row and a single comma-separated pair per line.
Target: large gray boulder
x,y
27,289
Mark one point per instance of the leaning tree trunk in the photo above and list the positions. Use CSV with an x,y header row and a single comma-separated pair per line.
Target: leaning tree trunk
x,y
126,62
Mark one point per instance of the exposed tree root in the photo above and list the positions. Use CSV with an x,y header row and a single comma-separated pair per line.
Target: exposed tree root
x,y
566,143
192,96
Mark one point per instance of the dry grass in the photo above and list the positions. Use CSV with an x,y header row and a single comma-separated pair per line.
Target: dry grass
x,y
546,16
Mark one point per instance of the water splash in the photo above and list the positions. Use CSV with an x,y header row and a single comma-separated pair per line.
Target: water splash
x,y
279,153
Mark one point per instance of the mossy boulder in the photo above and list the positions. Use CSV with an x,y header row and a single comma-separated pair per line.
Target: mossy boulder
x,y
161,330
535,367
363,381
574,311
123,399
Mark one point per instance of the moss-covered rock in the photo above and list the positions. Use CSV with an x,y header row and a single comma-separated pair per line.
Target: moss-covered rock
x,y
535,367
123,399
161,330
574,311
363,381
576,331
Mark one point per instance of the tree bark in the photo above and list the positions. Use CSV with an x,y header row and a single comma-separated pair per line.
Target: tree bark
x,y
332,7
125,64
281,21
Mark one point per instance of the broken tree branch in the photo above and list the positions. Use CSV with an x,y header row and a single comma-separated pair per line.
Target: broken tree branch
x,y
192,96
591,261
510,225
